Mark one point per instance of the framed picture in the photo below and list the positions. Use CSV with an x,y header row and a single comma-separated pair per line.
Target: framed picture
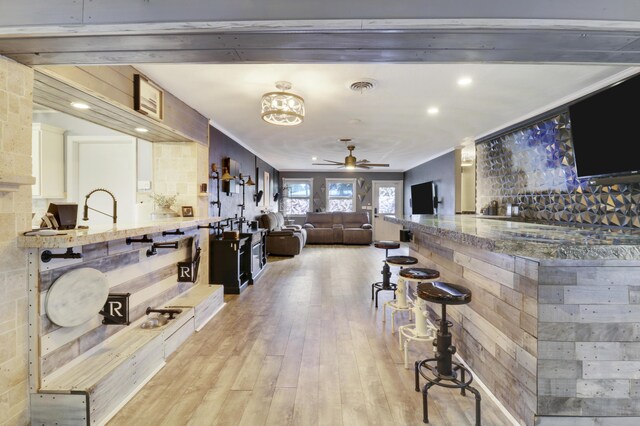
x,y
187,211
148,98
233,168
266,188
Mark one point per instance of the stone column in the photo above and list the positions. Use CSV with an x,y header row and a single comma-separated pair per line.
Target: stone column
x,y
16,106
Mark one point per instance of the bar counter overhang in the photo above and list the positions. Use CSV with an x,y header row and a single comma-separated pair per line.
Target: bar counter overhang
x,y
554,326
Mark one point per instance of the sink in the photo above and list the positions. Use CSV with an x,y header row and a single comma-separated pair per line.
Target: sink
x,y
155,322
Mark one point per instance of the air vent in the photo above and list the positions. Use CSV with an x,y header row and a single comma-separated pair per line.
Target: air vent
x,y
363,85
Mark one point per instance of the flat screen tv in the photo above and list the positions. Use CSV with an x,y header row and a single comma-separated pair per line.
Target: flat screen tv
x,y
422,198
604,128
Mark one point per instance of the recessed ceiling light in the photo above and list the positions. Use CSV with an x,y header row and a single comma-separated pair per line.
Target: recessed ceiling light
x,y
141,130
314,158
464,81
433,111
80,105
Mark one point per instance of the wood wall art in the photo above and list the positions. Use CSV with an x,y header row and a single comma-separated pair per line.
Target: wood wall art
x,y
148,98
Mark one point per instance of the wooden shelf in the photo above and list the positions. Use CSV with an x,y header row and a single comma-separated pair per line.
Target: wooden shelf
x,y
12,183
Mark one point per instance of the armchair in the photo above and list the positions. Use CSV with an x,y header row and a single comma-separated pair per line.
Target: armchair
x,y
281,240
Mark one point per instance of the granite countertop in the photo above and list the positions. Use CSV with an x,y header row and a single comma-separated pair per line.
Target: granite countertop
x,y
534,240
98,234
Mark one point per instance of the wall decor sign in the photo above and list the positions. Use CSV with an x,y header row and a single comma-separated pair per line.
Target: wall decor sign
x,y
148,98
116,309
188,271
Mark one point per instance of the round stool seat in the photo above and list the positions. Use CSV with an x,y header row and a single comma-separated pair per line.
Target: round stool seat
x,y
388,245
401,260
444,293
417,274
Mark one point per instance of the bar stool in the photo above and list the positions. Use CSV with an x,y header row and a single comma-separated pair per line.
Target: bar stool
x,y
399,304
444,370
419,330
386,283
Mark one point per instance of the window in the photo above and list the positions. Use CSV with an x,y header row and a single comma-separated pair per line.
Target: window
x,y
341,195
297,196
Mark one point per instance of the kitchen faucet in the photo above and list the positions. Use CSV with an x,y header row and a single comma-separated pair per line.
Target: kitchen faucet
x,y
86,206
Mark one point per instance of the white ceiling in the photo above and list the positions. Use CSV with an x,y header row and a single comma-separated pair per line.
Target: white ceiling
x,y
388,124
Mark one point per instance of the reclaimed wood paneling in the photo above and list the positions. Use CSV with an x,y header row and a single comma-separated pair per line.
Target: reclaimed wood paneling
x,y
589,323
109,363
587,421
562,335
496,332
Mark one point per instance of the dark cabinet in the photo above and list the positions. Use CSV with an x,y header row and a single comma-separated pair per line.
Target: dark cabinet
x,y
237,263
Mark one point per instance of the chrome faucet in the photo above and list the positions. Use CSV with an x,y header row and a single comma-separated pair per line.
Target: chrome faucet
x,y
85,216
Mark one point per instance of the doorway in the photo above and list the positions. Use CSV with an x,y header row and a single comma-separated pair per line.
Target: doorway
x,y
387,201
107,162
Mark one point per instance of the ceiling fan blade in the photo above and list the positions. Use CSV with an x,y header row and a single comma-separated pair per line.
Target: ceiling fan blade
x,y
362,166
377,165
328,163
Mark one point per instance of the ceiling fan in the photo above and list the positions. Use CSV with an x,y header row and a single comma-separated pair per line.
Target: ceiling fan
x,y
350,162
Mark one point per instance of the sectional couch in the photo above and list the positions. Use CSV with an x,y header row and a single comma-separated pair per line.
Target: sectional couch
x,y
338,228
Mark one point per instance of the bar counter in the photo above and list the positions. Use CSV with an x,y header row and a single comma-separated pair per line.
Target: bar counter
x,y
104,233
501,234
553,328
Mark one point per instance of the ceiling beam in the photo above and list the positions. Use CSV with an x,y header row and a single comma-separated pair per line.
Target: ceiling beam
x,y
402,46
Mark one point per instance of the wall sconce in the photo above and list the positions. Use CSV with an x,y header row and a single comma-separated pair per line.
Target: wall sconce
x,y
241,181
215,175
257,197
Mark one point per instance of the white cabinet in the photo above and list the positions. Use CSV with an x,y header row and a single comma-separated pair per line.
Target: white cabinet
x,y
48,161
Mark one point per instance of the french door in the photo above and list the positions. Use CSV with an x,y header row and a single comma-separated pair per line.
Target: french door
x,y
387,200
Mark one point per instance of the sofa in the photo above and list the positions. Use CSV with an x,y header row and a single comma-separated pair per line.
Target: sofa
x,y
338,228
281,239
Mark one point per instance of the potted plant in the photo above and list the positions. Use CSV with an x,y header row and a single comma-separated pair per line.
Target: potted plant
x,y
163,206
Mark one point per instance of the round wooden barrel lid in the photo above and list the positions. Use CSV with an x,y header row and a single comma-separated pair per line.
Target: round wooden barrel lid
x,y
76,297
420,273
444,293
387,244
401,260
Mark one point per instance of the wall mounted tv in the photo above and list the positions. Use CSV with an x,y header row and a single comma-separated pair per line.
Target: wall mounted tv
x,y
604,128
423,197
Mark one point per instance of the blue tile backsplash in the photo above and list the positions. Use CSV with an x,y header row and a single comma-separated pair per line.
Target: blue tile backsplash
x,y
534,168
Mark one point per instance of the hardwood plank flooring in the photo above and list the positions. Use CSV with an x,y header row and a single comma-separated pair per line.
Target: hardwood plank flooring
x,y
303,346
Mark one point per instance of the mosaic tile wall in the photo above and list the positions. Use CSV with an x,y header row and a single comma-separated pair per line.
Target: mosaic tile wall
x,y
534,169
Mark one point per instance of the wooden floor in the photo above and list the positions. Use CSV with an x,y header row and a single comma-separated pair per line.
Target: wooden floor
x,y
303,346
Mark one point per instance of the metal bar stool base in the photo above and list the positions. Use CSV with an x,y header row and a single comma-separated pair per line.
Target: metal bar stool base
x,y
410,334
433,378
382,286
395,308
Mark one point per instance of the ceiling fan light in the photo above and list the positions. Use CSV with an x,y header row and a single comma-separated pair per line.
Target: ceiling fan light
x,y
350,162
282,108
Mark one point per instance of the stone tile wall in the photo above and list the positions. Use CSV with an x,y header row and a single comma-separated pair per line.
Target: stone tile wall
x,y
179,168
16,93
534,168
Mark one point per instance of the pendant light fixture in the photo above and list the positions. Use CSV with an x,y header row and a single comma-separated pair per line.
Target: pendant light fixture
x,y
282,108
